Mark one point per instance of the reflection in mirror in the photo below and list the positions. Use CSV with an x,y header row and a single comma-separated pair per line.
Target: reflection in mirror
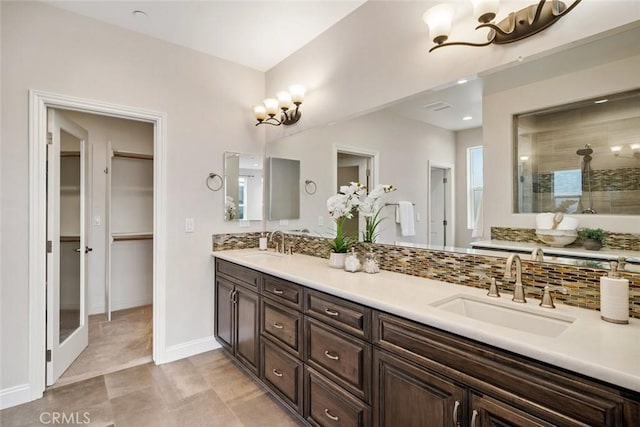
x,y
283,200
243,187
580,158
70,252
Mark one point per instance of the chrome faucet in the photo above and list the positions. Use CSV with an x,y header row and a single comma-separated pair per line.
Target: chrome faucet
x,y
537,254
279,248
518,290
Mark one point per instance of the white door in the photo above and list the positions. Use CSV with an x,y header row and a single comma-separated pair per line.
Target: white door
x,y
440,206
67,231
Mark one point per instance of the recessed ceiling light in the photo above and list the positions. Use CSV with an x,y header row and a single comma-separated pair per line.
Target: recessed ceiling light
x,y
139,13
462,81
524,158
616,148
467,118
600,101
635,146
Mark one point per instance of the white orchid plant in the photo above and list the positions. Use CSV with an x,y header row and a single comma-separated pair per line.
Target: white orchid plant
x,y
351,199
370,208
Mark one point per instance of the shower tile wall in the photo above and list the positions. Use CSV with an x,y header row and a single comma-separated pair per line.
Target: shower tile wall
x,y
550,142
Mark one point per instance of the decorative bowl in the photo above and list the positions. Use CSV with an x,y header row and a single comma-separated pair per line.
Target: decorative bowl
x,y
557,238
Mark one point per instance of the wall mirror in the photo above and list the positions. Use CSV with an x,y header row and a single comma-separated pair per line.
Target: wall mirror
x,y
581,158
425,127
243,187
283,188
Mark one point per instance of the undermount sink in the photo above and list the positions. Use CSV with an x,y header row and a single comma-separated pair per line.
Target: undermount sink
x,y
262,255
507,314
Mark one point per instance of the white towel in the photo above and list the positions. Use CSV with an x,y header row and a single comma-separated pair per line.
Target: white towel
x,y
406,218
478,223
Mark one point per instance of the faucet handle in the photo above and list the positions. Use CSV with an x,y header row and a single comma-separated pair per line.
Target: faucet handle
x,y
547,299
493,289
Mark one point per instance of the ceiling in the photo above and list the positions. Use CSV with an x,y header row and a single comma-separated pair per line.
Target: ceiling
x,y
261,33
258,34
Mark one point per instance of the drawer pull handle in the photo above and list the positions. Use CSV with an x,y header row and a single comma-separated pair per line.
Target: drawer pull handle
x,y
330,416
278,291
276,373
278,325
456,414
473,418
331,356
331,312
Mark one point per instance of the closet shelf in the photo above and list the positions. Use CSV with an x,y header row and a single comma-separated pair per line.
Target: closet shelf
x,y
69,238
118,237
129,155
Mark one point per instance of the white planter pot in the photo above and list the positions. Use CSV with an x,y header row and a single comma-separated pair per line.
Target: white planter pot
x,y
336,260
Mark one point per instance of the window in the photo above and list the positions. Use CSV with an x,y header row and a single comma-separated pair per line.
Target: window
x,y
567,190
474,184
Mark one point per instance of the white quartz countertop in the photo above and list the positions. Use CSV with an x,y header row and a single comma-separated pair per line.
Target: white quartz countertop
x,y
589,346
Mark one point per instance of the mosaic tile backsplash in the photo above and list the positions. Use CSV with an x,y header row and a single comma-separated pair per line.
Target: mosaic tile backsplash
x,y
583,283
621,241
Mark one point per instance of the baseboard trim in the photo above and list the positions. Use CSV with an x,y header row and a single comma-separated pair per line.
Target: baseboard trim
x,y
13,396
187,349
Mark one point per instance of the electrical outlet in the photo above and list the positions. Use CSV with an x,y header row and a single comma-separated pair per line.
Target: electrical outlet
x,y
284,222
244,223
97,220
417,217
189,225
320,220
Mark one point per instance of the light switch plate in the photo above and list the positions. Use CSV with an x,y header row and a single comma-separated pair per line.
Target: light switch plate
x,y
189,225
284,222
320,220
97,220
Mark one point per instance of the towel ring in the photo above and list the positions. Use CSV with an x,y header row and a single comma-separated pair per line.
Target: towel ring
x,y
211,178
310,187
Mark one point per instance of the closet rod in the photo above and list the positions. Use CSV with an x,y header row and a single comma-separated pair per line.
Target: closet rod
x,y
69,154
69,238
123,237
128,155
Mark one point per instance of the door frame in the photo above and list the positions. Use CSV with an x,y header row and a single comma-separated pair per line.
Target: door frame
x,y
451,206
39,101
356,151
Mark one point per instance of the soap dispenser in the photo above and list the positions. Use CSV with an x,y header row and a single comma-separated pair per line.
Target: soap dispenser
x,y
614,295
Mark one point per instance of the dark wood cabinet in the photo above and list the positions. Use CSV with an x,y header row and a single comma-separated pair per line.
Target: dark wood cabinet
x,y
409,396
236,325
337,363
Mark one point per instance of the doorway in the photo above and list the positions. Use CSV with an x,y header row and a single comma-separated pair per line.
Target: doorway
x,y
39,103
441,204
355,165
120,254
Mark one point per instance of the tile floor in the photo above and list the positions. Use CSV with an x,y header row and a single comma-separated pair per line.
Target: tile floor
x,y
124,342
203,390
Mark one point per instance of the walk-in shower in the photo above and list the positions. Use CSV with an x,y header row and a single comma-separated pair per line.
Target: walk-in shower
x,y
586,153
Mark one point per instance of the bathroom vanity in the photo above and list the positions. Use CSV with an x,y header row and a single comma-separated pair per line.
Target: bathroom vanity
x,y
389,349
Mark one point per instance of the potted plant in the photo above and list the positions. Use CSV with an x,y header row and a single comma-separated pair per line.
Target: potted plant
x,y
370,208
343,206
592,238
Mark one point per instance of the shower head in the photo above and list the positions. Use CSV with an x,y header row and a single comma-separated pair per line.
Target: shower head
x,y
587,150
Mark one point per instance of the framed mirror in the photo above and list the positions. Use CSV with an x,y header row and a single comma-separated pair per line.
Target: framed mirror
x,y
580,158
243,187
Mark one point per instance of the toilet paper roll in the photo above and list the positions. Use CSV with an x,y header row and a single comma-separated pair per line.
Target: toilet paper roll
x,y
614,299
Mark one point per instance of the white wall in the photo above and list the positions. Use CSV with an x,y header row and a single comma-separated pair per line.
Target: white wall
x,y
207,102
464,140
404,147
498,109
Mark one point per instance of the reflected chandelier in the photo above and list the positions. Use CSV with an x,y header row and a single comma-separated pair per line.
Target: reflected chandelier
x,y
517,26
284,103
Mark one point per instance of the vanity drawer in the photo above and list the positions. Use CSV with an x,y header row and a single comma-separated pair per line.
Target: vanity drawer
x,y
283,373
329,405
341,357
349,317
282,325
285,292
238,273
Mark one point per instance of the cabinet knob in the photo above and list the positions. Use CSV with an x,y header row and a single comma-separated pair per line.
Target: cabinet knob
x,y
331,355
330,416
456,413
331,312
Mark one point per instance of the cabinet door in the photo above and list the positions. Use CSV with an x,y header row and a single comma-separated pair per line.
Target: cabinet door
x,y
406,395
489,412
224,313
247,328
